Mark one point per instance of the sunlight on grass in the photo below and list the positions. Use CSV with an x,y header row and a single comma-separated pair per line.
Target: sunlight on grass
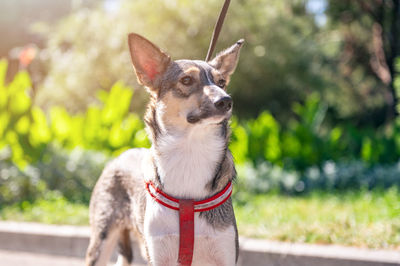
x,y
364,219
55,209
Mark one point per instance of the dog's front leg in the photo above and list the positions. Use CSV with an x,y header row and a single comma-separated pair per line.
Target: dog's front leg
x,y
161,232
216,247
163,250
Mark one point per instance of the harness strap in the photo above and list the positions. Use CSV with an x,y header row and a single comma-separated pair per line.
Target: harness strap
x,y
199,206
186,232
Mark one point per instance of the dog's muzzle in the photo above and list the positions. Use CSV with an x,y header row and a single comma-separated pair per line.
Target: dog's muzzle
x,y
221,109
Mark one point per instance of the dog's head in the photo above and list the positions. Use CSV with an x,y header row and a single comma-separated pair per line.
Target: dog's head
x,y
185,93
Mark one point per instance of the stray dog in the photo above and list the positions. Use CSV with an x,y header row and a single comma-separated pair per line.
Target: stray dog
x,y
187,121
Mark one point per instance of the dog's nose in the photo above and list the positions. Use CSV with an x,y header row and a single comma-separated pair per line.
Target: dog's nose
x,y
223,104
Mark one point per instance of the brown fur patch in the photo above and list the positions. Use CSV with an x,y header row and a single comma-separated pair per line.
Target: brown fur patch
x,y
150,118
176,110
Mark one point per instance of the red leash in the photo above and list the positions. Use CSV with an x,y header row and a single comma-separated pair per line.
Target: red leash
x,y
186,209
217,29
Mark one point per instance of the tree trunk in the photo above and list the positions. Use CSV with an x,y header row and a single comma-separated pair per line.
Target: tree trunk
x,y
394,52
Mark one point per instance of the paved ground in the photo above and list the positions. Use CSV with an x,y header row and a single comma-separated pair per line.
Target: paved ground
x,y
13,258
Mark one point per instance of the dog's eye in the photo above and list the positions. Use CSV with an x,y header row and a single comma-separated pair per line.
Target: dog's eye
x,y
221,83
187,80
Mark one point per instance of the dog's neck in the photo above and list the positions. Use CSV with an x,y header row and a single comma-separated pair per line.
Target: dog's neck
x,y
187,162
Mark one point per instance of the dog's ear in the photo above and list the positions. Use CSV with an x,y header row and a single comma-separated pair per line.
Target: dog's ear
x,y
148,60
226,60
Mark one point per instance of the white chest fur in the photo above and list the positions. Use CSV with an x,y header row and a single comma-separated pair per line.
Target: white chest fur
x,y
186,163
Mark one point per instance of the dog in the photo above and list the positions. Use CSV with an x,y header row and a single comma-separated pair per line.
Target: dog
x,y
187,120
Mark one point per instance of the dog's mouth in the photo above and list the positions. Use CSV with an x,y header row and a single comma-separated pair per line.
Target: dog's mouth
x,y
193,119
211,117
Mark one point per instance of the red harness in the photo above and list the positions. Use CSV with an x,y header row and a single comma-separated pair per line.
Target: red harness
x,y
186,209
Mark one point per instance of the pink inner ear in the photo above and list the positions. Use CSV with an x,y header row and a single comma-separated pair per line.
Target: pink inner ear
x,y
151,69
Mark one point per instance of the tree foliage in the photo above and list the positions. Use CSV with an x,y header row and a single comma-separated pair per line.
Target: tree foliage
x,y
369,34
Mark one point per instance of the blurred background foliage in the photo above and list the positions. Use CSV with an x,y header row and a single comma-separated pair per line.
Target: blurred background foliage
x,y
315,91
280,38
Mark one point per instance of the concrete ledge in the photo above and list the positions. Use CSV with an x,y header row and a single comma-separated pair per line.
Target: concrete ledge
x,y
60,240
47,239
73,241
264,252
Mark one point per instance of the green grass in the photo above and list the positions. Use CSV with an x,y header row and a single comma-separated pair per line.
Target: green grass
x,y
364,219
54,209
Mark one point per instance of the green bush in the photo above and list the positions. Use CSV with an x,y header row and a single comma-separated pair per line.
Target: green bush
x,y
331,176
108,127
27,130
72,173
57,151
306,142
